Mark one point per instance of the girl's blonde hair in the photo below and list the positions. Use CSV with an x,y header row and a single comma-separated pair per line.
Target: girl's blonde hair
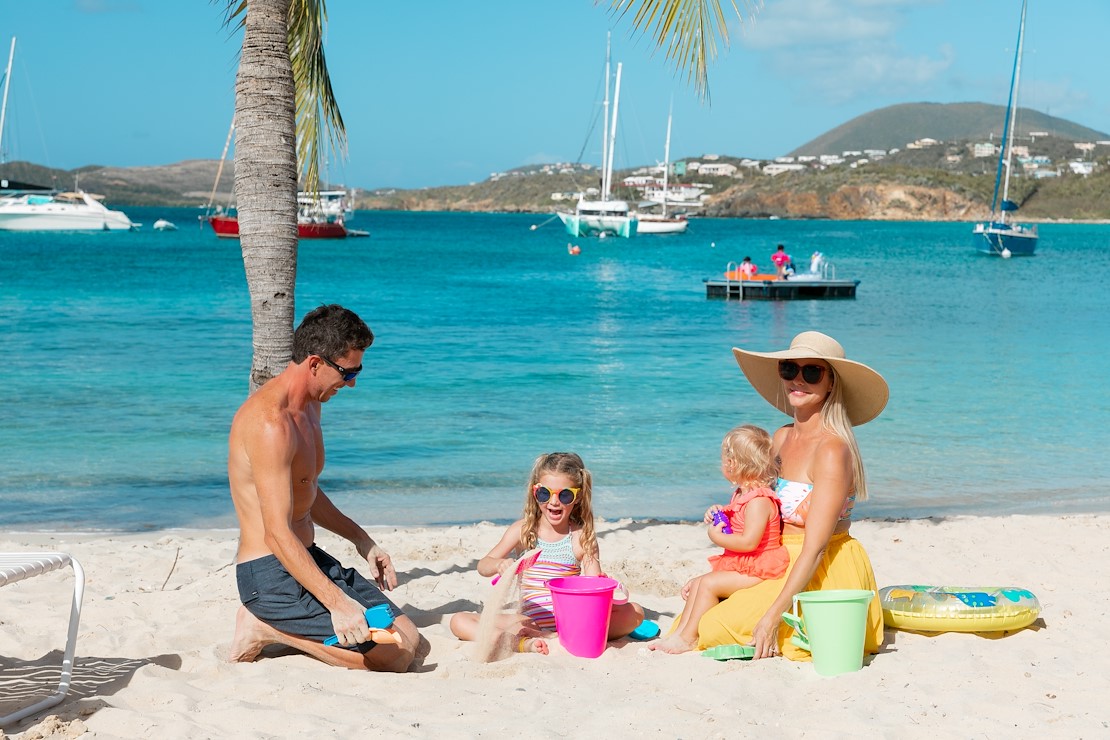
x,y
747,448
834,418
570,465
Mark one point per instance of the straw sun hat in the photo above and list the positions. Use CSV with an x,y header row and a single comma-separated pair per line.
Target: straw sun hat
x,y
864,391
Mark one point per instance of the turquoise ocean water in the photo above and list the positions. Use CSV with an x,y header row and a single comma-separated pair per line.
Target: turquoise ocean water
x,y
127,354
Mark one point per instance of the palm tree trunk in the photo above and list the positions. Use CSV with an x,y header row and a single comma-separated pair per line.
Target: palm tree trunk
x,y
266,184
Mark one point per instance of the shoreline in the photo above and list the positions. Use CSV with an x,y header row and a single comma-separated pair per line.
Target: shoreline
x,y
1096,509
159,609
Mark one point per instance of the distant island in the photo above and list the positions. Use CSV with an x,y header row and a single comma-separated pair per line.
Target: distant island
x,y
916,161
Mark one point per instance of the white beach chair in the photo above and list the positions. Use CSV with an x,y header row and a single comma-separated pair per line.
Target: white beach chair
x,y
17,566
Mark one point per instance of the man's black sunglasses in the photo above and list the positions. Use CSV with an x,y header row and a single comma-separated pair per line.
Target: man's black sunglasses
x,y
348,375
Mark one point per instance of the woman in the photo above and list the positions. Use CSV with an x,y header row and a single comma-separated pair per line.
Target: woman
x,y
821,478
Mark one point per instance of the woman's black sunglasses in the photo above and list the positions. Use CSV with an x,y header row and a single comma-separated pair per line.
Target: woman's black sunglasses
x,y
812,374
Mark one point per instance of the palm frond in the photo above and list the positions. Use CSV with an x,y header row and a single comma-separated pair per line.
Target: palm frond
x,y
315,102
687,29
317,110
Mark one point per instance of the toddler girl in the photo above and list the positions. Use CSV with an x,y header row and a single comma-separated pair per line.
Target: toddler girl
x,y
753,552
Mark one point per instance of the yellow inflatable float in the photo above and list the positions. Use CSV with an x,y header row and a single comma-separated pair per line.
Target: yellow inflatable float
x,y
958,609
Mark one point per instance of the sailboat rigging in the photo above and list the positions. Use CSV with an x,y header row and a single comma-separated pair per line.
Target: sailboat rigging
x,y
652,223
1001,236
607,216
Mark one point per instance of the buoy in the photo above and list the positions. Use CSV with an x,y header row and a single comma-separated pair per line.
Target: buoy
x,y
713,244
1005,253
532,227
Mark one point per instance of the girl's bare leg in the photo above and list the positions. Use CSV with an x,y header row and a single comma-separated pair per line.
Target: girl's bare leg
x,y
624,618
515,628
705,593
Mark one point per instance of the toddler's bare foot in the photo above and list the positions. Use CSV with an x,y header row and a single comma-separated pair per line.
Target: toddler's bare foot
x,y
674,644
532,645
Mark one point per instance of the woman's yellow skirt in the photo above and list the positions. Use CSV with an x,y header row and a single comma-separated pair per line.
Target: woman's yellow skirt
x,y
844,565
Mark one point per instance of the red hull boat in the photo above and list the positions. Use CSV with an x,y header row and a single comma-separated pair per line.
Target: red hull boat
x,y
227,227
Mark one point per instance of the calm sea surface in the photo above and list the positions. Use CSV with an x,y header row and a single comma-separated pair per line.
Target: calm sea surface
x,y
127,354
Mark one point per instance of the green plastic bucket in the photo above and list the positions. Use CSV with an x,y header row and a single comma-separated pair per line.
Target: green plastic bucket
x,y
832,628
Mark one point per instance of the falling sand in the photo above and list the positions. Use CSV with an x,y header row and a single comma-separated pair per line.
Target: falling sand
x,y
501,603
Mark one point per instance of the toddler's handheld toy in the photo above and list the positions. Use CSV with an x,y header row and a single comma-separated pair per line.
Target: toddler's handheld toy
x,y
526,561
719,517
379,618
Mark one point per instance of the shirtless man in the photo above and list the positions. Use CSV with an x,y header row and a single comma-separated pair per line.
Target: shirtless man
x,y
294,593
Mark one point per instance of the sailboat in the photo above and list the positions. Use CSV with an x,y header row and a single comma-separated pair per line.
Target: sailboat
x,y
607,216
662,223
320,215
1001,236
26,207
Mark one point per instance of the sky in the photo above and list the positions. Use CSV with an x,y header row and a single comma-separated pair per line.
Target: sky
x,y
442,92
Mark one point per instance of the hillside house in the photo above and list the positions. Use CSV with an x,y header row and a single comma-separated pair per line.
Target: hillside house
x,y
776,168
718,169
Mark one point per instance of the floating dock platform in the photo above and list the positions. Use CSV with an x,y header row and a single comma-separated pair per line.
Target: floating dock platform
x,y
793,289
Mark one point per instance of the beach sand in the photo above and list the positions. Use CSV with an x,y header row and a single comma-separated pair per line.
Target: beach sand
x,y
159,610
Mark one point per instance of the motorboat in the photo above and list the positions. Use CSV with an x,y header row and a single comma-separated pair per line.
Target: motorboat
x,y
25,207
57,211
164,225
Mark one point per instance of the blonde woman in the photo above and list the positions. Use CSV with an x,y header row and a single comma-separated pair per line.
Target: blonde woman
x,y
821,477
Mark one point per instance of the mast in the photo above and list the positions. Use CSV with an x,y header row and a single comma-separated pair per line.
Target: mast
x,y
1006,154
667,158
220,169
605,123
1011,124
4,105
612,134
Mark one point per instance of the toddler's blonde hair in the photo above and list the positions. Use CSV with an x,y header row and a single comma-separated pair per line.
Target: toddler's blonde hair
x,y
747,449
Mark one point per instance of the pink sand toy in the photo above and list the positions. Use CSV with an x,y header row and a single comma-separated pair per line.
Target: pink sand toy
x,y
526,561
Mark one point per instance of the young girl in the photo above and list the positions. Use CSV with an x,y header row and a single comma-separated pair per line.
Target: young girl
x,y
559,520
753,552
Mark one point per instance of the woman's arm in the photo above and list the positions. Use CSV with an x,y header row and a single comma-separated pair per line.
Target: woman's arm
x,y
831,473
497,560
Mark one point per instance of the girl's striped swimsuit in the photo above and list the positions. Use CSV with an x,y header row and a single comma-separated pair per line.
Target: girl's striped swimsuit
x,y
556,561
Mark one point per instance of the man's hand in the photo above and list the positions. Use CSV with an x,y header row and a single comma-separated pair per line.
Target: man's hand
x,y
381,566
348,619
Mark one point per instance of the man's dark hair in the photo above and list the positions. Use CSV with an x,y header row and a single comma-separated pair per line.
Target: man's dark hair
x,y
330,331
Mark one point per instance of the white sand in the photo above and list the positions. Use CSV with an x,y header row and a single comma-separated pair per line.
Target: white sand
x,y
149,665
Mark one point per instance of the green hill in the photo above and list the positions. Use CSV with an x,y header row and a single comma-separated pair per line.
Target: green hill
x,y
897,125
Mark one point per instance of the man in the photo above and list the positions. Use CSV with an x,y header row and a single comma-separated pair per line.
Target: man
x,y
294,593
782,260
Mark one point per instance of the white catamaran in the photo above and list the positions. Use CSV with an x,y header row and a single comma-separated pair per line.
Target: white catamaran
x,y
604,217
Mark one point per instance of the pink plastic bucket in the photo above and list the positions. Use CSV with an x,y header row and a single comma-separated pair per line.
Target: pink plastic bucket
x,y
582,607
